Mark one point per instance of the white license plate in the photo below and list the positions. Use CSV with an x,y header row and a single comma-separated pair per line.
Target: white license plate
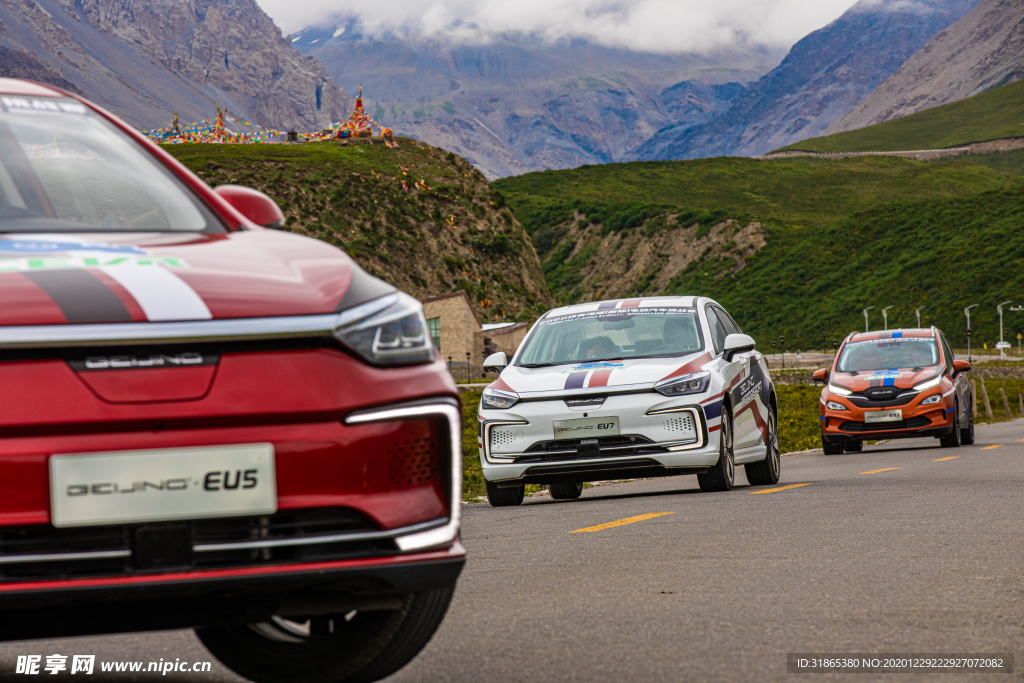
x,y
873,416
166,484
586,428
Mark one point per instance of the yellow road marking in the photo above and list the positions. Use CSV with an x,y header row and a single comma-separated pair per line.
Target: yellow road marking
x,y
952,457
621,522
988,448
781,488
887,469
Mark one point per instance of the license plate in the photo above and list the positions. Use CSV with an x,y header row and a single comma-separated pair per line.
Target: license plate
x,y
155,485
873,416
586,428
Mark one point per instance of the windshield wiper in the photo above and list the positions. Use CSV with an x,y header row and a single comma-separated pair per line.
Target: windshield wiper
x,y
538,365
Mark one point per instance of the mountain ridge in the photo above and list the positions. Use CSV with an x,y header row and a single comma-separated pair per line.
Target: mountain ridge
x,y
147,59
985,49
823,77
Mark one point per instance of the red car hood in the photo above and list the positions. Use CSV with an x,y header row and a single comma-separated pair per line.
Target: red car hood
x,y
904,378
104,278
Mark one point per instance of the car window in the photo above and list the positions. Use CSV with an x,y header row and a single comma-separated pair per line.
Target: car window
x,y
730,325
718,331
613,334
947,352
871,355
64,168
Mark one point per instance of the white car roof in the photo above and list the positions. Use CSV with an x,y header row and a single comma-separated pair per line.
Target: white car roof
x,y
611,304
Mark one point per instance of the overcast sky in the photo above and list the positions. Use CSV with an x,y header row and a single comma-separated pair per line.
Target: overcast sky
x,y
652,25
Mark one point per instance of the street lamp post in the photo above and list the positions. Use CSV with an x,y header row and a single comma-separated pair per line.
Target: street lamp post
x,y
866,328
469,368
885,316
1018,308
782,343
967,312
1002,345
917,312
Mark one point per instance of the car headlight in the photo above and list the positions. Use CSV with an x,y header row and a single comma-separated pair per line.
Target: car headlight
x,y
832,405
396,335
929,384
931,400
694,383
839,390
497,399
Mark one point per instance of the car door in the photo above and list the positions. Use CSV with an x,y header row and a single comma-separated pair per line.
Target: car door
x,y
748,409
960,384
728,371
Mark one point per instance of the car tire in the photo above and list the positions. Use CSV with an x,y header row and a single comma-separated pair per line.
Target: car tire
x,y
504,497
853,446
722,475
967,435
769,470
952,440
353,648
566,490
832,448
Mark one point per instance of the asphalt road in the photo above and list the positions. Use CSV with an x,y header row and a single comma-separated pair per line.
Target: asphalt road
x,y
906,547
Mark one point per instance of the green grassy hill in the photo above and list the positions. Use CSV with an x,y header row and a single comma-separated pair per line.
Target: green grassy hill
x,y
796,245
991,115
417,216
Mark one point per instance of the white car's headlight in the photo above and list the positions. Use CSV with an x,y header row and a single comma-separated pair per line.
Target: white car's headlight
x,y
832,405
929,384
694,383
839,390
932,399
396,335
497,399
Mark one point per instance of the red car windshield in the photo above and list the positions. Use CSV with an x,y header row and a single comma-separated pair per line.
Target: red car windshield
x,y
888,354
63,168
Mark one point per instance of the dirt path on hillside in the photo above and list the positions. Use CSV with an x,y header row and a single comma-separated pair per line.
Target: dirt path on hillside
x,y
986,147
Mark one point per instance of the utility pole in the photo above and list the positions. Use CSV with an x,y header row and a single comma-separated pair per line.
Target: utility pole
x,y
917,312
885,316
967,312
782,343
1001,345
1019,308
866,328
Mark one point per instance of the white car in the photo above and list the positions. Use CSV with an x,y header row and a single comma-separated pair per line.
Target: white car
x,y
630,388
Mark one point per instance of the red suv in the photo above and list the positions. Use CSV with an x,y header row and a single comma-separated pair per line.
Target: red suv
x,y
207,423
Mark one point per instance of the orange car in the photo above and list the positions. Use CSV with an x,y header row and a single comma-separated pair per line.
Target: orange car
x,y
895,384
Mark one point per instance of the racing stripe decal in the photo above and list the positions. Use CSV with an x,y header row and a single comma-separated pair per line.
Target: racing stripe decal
x,y
632,303
608,305
81,296
575,380
692,366
600,378
26,303
500,384
713,410
161,294
138,315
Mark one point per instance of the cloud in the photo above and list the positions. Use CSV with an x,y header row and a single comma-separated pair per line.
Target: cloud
x,y
700,26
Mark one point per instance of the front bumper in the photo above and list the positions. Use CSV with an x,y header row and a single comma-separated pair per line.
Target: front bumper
x,y
657,437
918,421
187,600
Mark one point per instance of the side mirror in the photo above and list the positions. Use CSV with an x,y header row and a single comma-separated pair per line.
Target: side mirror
x,y
820,376
496,362
960,366
737,343
253,204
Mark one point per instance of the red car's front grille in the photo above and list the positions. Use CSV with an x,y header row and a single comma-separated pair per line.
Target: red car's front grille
x,y
43,552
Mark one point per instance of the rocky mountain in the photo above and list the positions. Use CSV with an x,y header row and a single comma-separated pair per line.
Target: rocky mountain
x,y
821,79
983,50
147,59
517,104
